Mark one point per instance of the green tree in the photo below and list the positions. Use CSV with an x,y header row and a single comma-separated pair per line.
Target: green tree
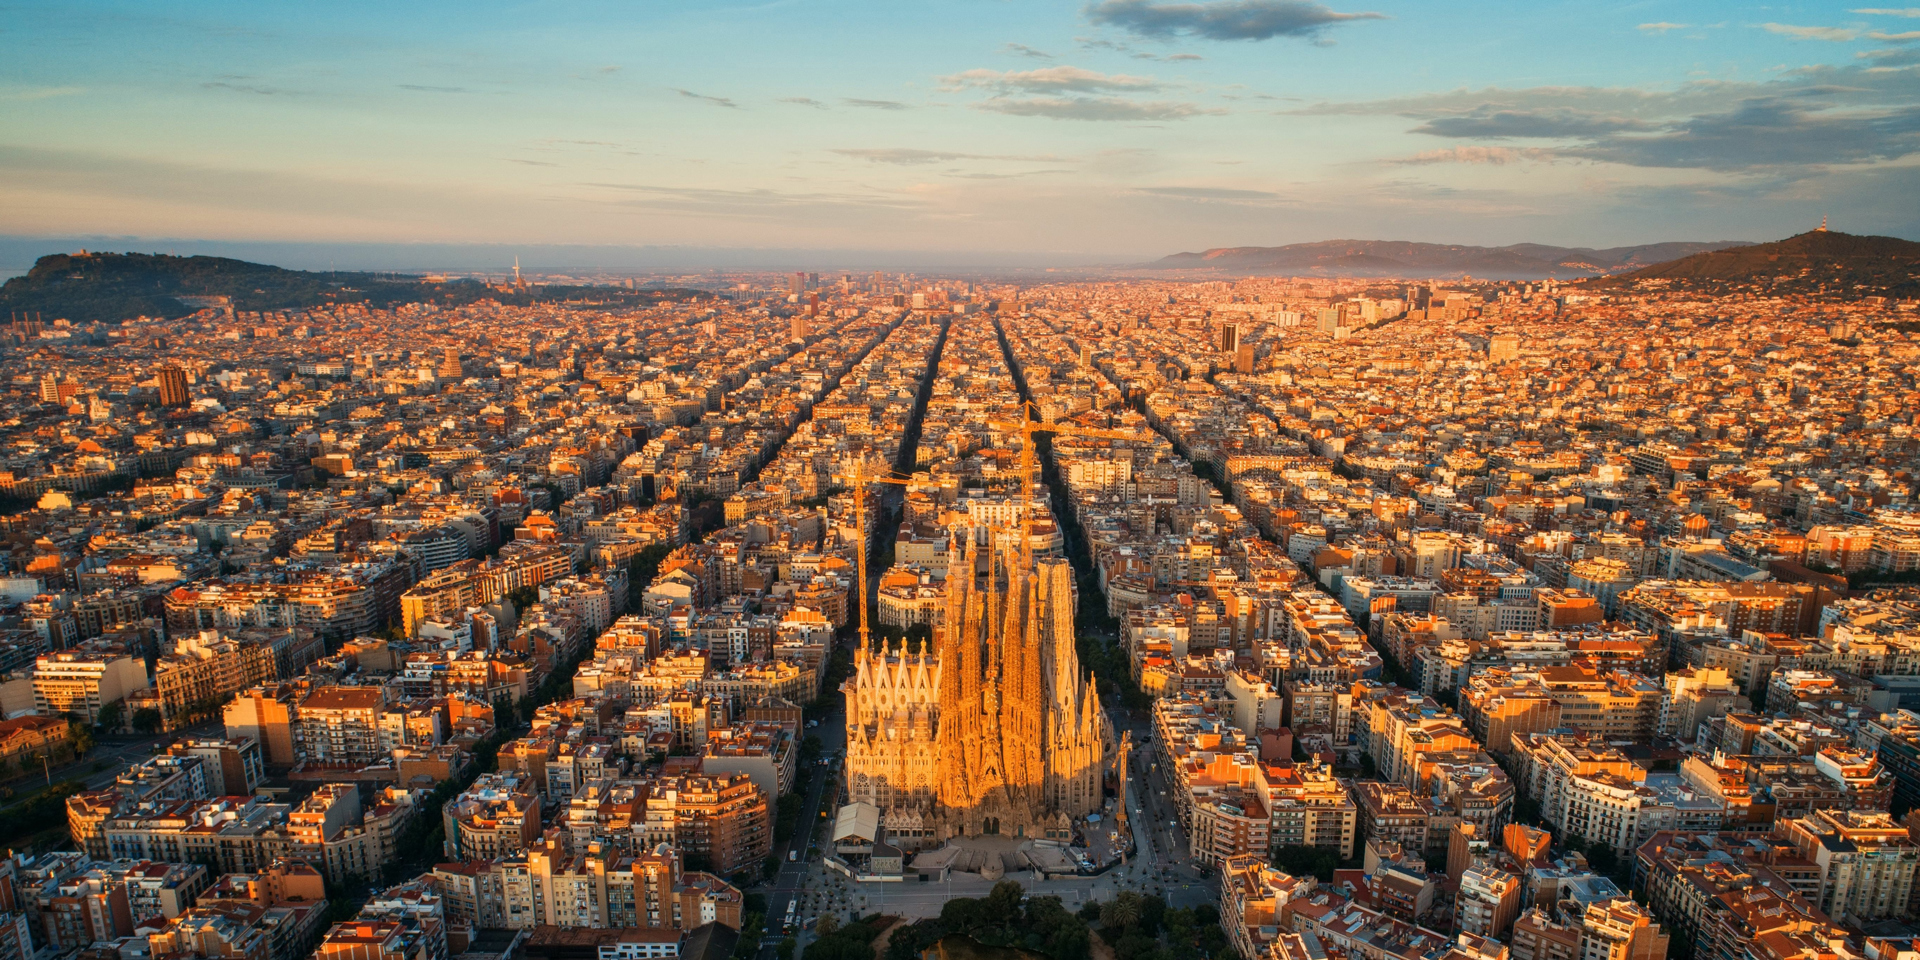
x,y
79,737
1122,911
147,720
828,925
112,716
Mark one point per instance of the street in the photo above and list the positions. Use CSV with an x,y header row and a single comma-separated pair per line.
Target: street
x,y
113,754
798,876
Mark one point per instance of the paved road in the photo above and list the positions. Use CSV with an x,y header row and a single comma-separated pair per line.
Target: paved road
x,y
798,876
116,753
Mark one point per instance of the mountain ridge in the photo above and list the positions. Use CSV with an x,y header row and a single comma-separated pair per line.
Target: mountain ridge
x,y
92,286
1818,261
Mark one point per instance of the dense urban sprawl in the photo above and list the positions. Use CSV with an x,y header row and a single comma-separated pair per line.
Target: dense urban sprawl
x,y
1273,618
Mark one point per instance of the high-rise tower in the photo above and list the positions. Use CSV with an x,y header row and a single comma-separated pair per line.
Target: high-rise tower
x,y
172,382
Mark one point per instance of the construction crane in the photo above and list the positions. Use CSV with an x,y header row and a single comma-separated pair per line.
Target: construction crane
x,y
859,480
1029,464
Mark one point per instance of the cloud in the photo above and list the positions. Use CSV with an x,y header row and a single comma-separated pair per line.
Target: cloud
x,y
532,163
1501,124
1061,79
910,157
1023,50
716,101
1496,156
422,88
1810,119
1833,34
1662,27
253,88
1095,108
1906,37
1890,58
610,68
1890,11
1183,56
1208,193
1221,19
1771,132
757,204
805,102
22,94
874,104
954,174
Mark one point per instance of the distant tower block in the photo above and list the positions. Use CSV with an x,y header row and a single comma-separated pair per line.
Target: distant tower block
x,y
173,386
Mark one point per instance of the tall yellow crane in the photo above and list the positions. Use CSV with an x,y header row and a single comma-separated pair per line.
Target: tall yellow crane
x,y
859,480
1029,462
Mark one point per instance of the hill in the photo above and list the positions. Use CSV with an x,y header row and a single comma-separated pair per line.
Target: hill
x,y
1400,258
113,287
1819,261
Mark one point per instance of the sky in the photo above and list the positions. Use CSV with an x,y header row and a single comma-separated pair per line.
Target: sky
x,y
1095,130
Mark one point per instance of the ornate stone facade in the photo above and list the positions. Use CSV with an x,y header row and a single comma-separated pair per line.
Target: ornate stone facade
x,y
998,732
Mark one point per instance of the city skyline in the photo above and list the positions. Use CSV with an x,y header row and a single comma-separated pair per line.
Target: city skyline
x,y
1081,132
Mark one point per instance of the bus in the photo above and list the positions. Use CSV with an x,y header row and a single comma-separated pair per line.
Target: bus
x,y
792,906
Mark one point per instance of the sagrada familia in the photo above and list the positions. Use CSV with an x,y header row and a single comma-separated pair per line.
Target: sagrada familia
x,y
998,732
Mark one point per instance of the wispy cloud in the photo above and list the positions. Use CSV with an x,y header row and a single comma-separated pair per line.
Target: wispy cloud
x,y
905,156
21,94
1048,80
1890,11
804,102
716,101
1022,50
1221,19
1810,120
1905,37
1661,27
423,88
1095,108
874,104
531,163
1209,193
1501,124
1832,34
236,86
1496,156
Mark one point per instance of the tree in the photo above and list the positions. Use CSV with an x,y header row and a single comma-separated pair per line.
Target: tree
x,y
828,925
79,737
147,720
1122,912
112,717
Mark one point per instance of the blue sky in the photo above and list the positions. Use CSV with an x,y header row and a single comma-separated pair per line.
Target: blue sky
x,y
1111,128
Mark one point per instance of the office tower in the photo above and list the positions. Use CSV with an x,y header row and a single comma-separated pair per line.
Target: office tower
x,y
795,282
1229,338
49,388
801,328
1243,360
173,386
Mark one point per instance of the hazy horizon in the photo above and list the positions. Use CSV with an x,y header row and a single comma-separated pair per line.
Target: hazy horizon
x,y
17,256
